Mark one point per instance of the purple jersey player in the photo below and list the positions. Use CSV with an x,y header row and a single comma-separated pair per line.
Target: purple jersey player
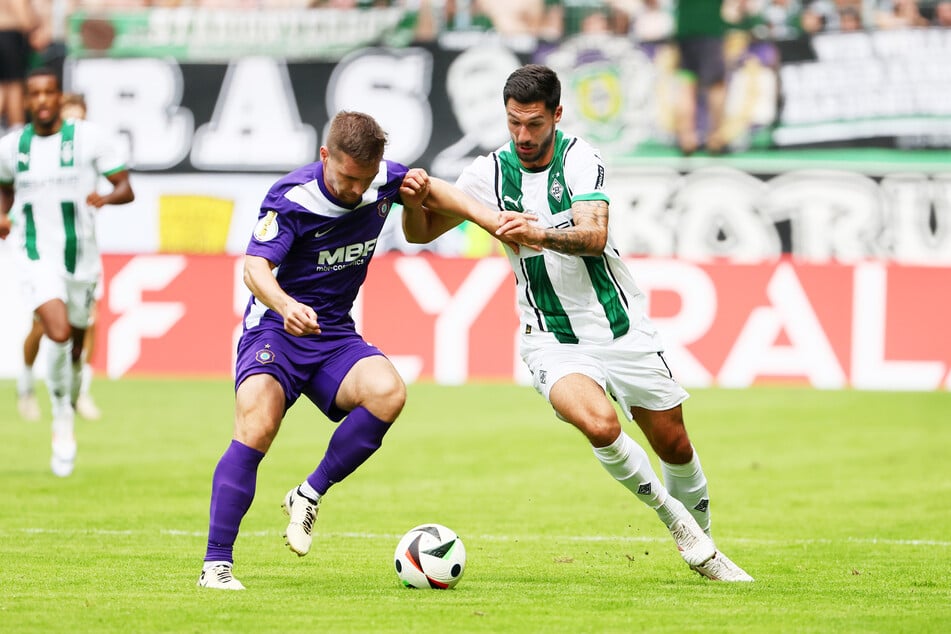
x,y
304,265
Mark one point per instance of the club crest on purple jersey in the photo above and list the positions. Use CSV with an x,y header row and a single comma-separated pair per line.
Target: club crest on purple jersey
x,y
383,208
264,356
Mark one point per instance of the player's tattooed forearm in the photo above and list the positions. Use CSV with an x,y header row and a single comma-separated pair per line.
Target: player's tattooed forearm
x,y
588,233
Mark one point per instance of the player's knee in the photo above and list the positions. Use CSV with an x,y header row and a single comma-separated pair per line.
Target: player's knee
x,y
59,333
673,446
600,430
387,397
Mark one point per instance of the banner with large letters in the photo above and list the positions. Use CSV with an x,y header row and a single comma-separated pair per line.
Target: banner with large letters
x,y
207,140
867,325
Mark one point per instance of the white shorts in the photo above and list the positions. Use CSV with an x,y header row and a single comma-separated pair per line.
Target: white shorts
x,y
40,283
630,374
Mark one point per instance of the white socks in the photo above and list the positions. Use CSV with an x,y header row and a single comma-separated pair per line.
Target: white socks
x,y
308,491
628,463
60,378
86,380
687,483
26,384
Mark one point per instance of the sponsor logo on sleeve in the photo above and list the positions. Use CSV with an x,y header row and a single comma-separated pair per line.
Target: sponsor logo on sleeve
x,y
266,228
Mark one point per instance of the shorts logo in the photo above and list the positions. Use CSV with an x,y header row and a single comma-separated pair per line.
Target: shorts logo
x,y
264,356
543,376
266,228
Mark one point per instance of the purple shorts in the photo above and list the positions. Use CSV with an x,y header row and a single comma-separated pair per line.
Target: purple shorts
x,y
313,366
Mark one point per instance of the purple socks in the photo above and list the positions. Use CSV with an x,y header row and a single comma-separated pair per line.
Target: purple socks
x,y
355,439
232,490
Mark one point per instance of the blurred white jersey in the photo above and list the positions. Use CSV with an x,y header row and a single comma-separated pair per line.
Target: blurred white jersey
x,y
52,176
586,299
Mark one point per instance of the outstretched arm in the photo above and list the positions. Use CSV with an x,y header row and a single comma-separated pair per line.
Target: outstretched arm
x,y
588,234
420,223
299,319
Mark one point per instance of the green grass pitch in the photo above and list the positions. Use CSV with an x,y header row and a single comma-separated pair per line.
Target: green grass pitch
x,y
838,502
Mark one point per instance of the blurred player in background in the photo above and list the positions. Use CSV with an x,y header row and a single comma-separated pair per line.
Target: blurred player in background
x,y
73,106
49,172
585,334
305,264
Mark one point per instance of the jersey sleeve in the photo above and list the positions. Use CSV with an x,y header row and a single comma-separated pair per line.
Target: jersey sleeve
x,y
584,173
477,180
106,153
8,158
394,178
276,229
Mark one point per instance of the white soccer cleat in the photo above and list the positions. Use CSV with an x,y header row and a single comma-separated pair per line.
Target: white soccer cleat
x,y
720,568
219,578
694,545
64,454
28,406
303,514
86,407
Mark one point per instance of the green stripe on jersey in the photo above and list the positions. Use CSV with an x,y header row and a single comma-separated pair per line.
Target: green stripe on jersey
x,y
23,155
607,295
69,226
31,251
556,319
66,150
511,180
559,199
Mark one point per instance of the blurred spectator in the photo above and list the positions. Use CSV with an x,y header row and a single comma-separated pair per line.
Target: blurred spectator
x,y
18,20
653,21
514,17
768,19
508,18
942,14
700,31
571,17
899,14
48,39
850,19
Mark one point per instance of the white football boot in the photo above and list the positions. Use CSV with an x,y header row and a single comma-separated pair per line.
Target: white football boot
x,y
220,578
303,514
64,454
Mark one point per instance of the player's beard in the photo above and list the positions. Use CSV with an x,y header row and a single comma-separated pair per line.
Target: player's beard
x,y
541,150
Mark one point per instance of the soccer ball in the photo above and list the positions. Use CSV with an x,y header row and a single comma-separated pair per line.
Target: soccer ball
x,y
430,556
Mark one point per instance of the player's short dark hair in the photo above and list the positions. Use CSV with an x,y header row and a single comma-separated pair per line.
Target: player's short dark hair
x,y
531,83
45,71
357,135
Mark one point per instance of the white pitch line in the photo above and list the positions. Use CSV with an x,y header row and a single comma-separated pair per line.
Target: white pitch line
x,y
493,538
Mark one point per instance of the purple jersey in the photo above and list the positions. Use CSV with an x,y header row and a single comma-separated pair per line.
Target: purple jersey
x,y
322,248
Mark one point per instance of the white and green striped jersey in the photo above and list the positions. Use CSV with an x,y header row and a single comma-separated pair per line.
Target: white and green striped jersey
x,y
587,299
51,177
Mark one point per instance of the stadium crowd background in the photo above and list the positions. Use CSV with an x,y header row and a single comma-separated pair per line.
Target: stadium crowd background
x,y
643,20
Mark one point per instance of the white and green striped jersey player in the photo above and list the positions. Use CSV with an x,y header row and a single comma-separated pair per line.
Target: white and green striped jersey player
x,y
52,176
577,299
